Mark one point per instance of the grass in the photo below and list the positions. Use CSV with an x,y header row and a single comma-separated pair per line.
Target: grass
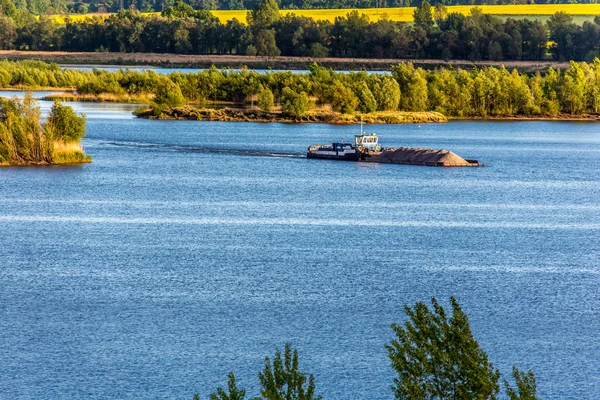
x,y
405,14
99,98
69,153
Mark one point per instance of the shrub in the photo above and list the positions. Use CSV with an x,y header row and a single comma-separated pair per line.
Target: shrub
x,y
65,124
265,100
342,99
168,94
293,104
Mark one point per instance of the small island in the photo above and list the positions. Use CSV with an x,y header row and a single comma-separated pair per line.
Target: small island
x,y
25,140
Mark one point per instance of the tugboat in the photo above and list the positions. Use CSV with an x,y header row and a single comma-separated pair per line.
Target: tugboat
x,y
366,148
345,151
334,151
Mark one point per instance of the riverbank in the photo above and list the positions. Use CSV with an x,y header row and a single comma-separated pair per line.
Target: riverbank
x,y
560,117
318,116
142,60
228,112
99,98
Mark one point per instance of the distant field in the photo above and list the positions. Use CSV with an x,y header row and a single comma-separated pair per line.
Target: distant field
x,y
581,12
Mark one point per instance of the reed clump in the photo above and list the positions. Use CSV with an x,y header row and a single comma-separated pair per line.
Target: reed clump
x,y
25,140
99,98
69,153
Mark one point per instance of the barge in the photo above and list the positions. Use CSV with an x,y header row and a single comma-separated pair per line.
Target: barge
x,y
366,148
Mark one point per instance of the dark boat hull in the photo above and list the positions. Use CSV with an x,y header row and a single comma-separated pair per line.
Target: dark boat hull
x,y
338,157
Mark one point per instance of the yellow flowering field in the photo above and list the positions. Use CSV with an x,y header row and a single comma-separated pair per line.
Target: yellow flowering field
x,y
405,14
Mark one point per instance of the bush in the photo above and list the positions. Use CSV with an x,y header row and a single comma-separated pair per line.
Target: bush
x,y
293,104
265,100
388,95
342,99
366,100
168,94
65,124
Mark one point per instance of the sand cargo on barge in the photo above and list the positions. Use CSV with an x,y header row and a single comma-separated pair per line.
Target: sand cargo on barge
x,y
366,148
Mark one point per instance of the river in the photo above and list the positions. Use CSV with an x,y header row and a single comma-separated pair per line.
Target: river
x,y
189,249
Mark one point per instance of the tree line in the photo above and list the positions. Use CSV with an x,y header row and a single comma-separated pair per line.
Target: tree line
x,y
435,34
48,7
485,92
433,354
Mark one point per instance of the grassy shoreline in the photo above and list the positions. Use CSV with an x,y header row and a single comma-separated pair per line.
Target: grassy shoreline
x,y
63,154
560,117
236,114
232,114
70,95
314,116
98,98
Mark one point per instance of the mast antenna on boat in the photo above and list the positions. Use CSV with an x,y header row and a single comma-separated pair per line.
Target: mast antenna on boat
x,y
361,125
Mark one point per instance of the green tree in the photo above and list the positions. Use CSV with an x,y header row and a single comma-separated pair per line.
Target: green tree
x,y
317,50
526,386
593,86
265,44
561,30
82,8
251,50
182,10
436,356
264,14
293,104
38,7
550,88
366,100
7,8
495,51
413,86
65,124
284,381
423,15
440,12
265,99
342,99
168,94
388,95
8,33
537,94
572,93
235,393
260,20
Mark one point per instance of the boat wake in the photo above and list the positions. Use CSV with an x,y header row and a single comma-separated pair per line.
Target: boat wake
x,y
198,149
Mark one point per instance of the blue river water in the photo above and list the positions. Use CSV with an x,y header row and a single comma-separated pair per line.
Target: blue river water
x,y
190,249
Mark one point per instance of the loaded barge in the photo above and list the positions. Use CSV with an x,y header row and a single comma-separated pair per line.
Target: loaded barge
x,y
366,148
